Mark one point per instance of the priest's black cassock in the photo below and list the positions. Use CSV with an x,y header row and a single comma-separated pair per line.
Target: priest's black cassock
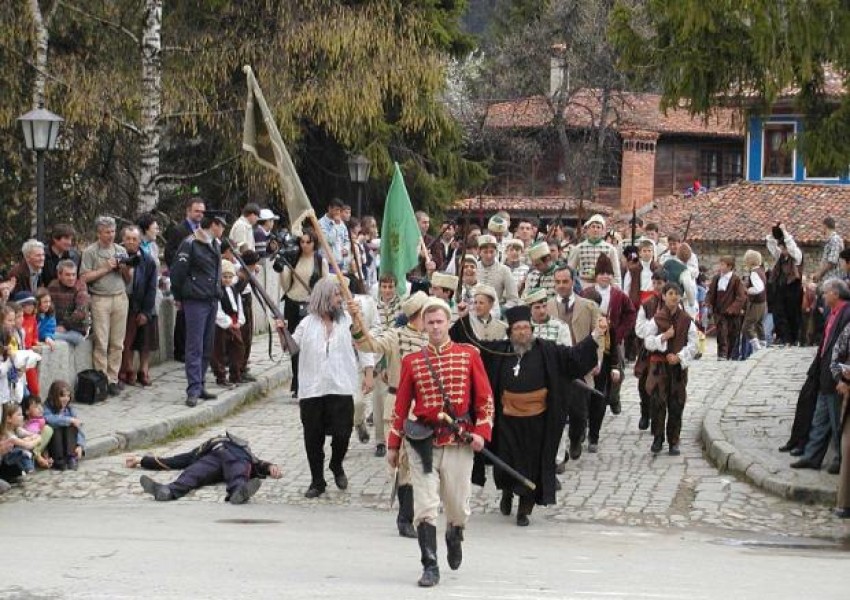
x,y
530,444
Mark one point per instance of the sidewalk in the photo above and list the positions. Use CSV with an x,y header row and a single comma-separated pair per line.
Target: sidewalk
x,y
751,417
140,416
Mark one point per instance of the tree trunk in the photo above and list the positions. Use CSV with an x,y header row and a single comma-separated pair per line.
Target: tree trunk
x,y
599,148
151,104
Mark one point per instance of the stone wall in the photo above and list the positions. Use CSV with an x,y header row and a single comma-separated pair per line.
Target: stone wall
x,y
64,362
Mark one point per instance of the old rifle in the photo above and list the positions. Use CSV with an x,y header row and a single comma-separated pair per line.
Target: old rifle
x,y
286,341
555,223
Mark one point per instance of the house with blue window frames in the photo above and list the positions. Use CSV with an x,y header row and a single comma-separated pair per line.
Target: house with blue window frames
x,y
778,187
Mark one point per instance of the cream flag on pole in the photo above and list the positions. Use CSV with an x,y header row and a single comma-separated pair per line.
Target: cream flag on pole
x,y
261,138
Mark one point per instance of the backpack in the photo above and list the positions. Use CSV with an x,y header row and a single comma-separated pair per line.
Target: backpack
x,y
91,387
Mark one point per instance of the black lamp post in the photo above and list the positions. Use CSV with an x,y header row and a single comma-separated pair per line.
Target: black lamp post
x,y
41,130
358,170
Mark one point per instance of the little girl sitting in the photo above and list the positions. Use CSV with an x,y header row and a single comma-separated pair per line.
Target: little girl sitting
x,y
33,409
46,318
25,444
68,443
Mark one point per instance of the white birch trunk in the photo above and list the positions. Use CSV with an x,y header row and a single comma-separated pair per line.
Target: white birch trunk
x,y
42,41
151,105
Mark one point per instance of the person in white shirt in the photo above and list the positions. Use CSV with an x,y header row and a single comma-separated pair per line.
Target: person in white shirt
x,y
242,232
329,375
671,339
673,243
228,347
756,283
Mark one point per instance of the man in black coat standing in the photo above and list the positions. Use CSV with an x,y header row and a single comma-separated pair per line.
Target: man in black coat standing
x,y
529,376
195,209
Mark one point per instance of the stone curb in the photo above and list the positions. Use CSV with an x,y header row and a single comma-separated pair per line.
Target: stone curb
x,y
726,457
146,434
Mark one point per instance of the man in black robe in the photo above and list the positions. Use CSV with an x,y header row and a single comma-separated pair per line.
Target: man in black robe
x,y
528,377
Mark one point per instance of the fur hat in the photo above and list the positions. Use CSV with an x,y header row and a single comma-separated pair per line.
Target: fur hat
x,y
484,240
535,296
228,268
470,258
414,303
444,280
485,290
515,242
604,265
597,218
518,313
538,250
497,225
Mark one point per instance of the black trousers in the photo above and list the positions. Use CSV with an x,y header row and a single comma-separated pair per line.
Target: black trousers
x,y
179,335
322,416
226,463
62,444
787,312
292,315
597,404
247,330
576,410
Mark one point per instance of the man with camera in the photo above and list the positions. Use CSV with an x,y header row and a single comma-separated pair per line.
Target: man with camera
x,y
105,270
786,279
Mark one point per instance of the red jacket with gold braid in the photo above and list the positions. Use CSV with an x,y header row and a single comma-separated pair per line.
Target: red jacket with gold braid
x,y
465,381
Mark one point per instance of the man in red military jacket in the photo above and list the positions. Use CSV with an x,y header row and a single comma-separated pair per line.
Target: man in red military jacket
x,y
441,466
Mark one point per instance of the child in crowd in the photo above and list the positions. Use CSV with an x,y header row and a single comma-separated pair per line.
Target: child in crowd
x,y
27,323
756,284
228,347
726,298
46,318
33,409
68,442
10,390
26,444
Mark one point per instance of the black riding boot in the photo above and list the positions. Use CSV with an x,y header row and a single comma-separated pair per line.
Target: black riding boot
x,y
428,546
454,537
404,520
526,505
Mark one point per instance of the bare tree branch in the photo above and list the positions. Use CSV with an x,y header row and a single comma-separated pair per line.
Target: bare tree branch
x,y
184,177
107,22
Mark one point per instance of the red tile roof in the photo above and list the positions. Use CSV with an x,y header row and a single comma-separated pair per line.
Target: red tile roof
x,y
833,87
745,212
525,204
630,111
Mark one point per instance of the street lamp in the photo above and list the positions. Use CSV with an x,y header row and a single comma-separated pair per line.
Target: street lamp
x,y
41,130
358,171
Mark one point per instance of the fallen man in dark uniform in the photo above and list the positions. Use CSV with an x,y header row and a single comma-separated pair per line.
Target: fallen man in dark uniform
x,y
226,458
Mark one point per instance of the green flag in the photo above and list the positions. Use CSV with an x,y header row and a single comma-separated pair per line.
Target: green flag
x,y
400,236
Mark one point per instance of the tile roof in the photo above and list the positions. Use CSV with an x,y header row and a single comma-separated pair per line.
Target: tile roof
x,y
630,111
833,87
744,212
526,204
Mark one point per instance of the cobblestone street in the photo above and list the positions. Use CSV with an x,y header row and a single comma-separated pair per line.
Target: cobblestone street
x,y
622,484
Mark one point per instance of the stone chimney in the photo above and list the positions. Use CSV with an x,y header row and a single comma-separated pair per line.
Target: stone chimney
x,y
637,176
557,69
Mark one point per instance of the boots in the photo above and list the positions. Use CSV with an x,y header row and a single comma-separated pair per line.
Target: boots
x,y
526,505
454,537
404,520
428,546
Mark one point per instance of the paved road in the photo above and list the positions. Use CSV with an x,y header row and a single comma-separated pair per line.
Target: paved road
x,y
623,484
87,550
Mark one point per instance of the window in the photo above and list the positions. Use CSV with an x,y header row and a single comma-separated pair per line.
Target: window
x,y
721,167
777,153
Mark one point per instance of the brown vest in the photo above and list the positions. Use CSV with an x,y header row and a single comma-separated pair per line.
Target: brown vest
x,y
635,271
785,271
681,325
762,297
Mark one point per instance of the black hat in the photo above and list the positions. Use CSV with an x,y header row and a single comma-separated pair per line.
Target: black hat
x,y
604,265
518,313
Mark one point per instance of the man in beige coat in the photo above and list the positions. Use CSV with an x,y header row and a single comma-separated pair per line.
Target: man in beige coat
x,y
581,316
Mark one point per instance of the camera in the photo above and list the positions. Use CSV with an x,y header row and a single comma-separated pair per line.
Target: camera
x,y
287,254
129,261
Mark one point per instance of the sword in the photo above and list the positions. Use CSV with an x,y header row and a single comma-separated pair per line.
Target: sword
x,y
588,388
498,462
394,491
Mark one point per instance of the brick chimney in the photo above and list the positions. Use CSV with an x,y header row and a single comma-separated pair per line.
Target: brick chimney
x,y
637,176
